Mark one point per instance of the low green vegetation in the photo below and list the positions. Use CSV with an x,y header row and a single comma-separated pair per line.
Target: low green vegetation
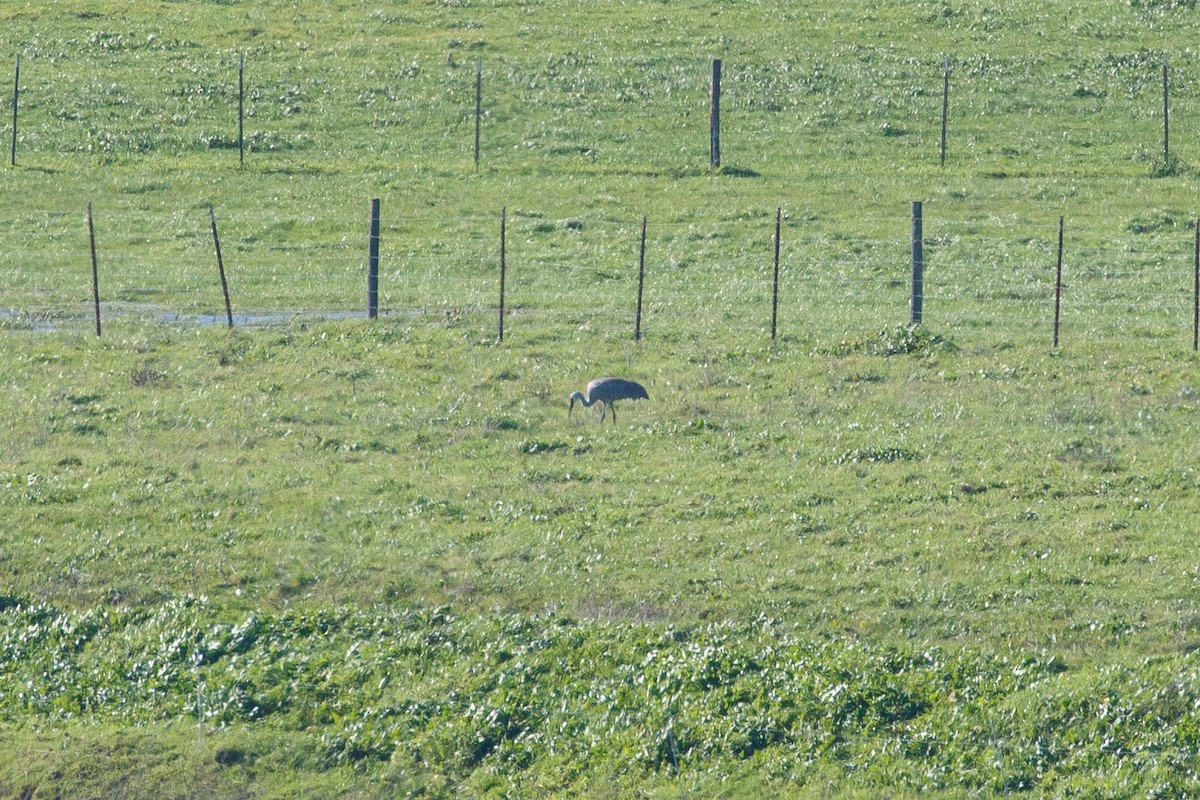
x,y
318,555
381,559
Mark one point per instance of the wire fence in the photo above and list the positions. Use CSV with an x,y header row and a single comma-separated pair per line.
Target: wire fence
x,y
133,94
571,276
120,94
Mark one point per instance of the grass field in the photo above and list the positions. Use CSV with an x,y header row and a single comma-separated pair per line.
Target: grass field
x,y
329,556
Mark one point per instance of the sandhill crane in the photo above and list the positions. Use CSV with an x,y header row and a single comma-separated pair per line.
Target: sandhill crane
x,y
607,391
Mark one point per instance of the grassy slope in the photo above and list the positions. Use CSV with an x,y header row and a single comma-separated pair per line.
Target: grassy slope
x,y
994,501
777,462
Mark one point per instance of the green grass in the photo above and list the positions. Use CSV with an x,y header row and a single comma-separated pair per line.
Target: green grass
x,y
340,557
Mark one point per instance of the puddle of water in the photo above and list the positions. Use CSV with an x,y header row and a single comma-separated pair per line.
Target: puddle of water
x,y
252,320
47,323
24,321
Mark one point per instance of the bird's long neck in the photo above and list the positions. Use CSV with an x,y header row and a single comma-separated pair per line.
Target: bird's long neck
x,y
587,402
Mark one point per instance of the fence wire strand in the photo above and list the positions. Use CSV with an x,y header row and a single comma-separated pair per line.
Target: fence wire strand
x,y
569,272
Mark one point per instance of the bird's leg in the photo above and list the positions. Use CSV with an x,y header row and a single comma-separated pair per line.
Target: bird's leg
x,y
613,407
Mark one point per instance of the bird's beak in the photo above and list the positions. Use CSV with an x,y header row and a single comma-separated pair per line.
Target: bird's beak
x,y
571,406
